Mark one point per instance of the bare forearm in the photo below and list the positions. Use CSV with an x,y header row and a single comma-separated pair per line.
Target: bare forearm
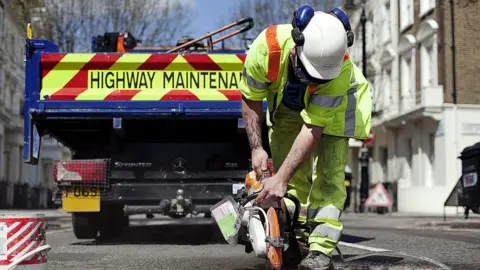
x,y
301,150
252,112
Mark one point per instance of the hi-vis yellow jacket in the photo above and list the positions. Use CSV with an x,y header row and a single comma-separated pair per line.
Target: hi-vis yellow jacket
x,y
343,106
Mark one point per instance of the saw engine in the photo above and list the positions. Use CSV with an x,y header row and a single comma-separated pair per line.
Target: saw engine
x,y
267,229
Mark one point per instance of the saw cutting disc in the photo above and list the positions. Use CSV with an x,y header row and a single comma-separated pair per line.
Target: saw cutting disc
x,y
274,254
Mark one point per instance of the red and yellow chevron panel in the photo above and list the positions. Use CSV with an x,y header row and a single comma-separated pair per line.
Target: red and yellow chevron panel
x,y
141,77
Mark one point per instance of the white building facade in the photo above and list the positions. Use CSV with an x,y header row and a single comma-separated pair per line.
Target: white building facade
x,y
382,70
418,137
21,185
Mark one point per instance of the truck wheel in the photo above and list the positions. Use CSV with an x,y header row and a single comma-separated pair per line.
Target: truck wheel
x,y
85,225
112,222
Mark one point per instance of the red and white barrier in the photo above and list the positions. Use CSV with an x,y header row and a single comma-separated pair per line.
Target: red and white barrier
x,y
22,241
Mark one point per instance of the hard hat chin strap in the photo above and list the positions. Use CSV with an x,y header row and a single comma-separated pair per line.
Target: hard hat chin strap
x,y
299,69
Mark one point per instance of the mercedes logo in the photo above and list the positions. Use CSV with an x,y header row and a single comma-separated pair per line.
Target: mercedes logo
x,y
179,165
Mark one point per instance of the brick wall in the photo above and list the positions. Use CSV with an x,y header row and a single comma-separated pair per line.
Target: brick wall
x,y
467,42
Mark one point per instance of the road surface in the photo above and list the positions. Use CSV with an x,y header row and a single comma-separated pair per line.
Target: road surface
x,y
164,243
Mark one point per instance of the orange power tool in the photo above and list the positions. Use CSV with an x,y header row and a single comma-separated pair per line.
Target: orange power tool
x,y
273,235
268,233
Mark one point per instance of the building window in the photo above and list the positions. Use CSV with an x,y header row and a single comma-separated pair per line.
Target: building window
x,y
2,20
1,83
7,98
431,142
410,152
11,45
386,61
387,87
386,23
406,78
373,72
384,162
6,166
47,180
406,50
426,6
427,37
370,35
406,14
13,100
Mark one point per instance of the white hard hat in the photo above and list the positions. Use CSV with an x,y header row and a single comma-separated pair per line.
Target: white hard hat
x,y
325,46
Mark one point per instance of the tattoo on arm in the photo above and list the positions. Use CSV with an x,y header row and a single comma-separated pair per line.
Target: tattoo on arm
x,y
296,158
253,128
252,122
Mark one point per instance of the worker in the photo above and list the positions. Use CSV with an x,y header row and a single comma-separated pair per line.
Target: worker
x,y
317,99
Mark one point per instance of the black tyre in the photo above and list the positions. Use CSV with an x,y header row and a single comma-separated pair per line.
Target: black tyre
x,y
125,221
112,221
85,225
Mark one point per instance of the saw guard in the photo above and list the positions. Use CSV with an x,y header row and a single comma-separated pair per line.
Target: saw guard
x,y
256,231
274,254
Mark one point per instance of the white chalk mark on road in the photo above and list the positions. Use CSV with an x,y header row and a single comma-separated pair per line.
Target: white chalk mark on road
x,y
373,249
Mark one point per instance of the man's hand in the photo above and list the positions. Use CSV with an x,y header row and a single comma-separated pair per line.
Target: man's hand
x,y
274,188
259,160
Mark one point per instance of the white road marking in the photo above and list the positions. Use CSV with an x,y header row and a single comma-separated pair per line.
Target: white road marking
x,y
373,249
60,231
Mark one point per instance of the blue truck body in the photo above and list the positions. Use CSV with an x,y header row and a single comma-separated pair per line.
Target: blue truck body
x,y
37,108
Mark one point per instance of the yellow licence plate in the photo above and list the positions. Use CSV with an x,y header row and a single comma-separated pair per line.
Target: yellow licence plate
x,y
81,199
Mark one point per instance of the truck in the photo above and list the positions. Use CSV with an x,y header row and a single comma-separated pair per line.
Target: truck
x,y
152,131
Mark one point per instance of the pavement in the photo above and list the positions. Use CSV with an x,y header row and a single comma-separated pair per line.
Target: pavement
x,y
387,242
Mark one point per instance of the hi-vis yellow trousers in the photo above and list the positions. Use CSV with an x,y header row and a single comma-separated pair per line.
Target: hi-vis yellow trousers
x,y
323,199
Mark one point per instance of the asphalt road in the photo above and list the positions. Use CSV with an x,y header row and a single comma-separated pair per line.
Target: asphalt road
x,y
196,244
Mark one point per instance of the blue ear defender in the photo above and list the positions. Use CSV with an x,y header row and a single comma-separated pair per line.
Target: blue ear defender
x,y
301,18
346,24
304,15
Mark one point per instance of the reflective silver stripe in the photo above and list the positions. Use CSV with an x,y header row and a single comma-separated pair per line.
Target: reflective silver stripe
x,y
326,101
328,212
327,231
252,82
351,110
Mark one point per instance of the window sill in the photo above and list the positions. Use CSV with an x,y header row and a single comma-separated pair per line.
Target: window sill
x,y
426,11
387,41
405,27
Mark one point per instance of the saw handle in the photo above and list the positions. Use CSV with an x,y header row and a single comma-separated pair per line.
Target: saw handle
x,y
255,185
289,196
298,206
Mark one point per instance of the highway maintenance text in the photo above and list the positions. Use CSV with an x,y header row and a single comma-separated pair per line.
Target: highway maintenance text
x,y
136,79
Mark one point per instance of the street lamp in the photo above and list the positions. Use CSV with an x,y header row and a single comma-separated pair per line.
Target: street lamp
x,y
363,21
364,153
